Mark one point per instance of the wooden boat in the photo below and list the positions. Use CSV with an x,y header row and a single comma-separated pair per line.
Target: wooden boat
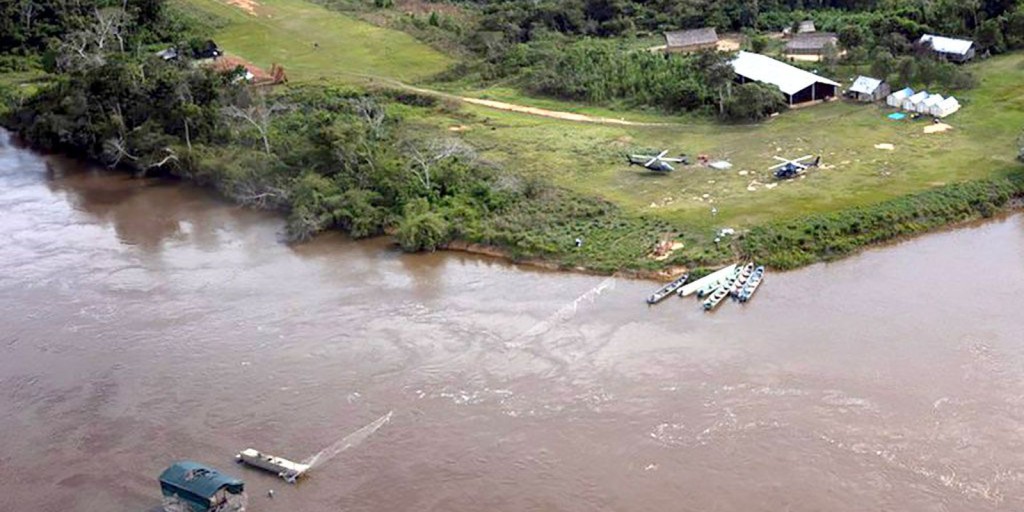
x,y
286,469
668,289
716,298
725,282
702,283
741,280
752,284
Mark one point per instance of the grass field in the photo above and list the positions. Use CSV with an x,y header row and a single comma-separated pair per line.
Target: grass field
x,y
285,32
589,158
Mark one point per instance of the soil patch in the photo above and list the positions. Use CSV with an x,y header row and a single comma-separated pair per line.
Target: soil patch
x,y
248,6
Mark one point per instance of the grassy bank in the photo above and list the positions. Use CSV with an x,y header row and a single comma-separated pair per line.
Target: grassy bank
x,y
569,178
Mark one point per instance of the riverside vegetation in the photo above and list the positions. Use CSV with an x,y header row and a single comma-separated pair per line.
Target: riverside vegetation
x,y
334,153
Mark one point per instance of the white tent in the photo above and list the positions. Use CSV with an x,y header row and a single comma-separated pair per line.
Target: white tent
x,y
896,99
945,107
926,106
910,103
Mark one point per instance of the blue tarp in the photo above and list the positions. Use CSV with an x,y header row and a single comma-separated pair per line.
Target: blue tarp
x,y
897,115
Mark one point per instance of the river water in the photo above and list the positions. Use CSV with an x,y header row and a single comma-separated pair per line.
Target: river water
x,y
146,321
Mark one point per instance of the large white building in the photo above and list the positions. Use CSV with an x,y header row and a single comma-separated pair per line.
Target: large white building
x,y
798,85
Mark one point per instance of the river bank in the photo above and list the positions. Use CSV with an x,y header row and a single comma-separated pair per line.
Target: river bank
x,y
147,322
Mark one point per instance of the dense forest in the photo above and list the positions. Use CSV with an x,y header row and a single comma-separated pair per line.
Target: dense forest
x,y
582,50
330,157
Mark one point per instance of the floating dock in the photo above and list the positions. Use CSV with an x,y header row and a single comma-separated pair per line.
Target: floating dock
x,y
286,469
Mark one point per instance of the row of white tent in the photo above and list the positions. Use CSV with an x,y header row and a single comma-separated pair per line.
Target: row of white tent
x,y
923,102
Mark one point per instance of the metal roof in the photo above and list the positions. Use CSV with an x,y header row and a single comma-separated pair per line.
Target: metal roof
x,y
805,27
865,85
789,79
812,41
697,36
199,479
947,44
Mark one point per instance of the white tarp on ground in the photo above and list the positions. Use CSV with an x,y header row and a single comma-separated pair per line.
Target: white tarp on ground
x,y
945,107
926,106
789,79
948,44
910,103
896,99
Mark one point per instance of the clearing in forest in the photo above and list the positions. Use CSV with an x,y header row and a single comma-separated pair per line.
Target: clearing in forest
x,y
312,42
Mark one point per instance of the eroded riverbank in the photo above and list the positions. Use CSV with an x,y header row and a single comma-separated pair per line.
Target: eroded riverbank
x,y
145,322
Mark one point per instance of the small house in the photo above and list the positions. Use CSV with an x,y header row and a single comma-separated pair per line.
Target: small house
x,y
198,487
896,99
693,40
812,44
926,106
868,89
910,104
806,27
946,107
954,50
798,85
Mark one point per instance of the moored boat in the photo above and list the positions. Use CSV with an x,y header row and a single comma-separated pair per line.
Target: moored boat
x,y
752,284
716,298
741,279
286,469
668,289
711,279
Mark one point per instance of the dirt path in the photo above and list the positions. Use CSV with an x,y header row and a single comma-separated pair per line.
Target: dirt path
x,y
565,116
522,109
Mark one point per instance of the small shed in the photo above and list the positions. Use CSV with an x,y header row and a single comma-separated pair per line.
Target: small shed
x,y
691,40
811,43
806,27
952,49
896,99
199,487
910,104
926,106
868,89
946,107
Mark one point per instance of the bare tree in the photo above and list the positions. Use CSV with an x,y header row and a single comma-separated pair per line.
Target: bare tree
x,y
253,109
424,156
88,47
372,114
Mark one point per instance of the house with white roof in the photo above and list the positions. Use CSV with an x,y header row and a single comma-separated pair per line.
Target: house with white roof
x,y
798,85
945,107
910,104
926,106
896,99
868,89
955,50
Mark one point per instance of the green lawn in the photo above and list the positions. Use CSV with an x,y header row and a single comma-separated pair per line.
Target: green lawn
x,y
589,158
285,31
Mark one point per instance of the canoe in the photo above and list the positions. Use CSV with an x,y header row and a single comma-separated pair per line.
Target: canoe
x,y
741,280
716,298
752,284
702,283
725,281
668,289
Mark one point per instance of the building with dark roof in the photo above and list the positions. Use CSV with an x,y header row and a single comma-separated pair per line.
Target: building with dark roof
x,y
199,487
811,43
691,40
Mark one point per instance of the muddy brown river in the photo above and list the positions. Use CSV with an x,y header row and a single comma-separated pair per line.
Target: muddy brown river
x,y
145,321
